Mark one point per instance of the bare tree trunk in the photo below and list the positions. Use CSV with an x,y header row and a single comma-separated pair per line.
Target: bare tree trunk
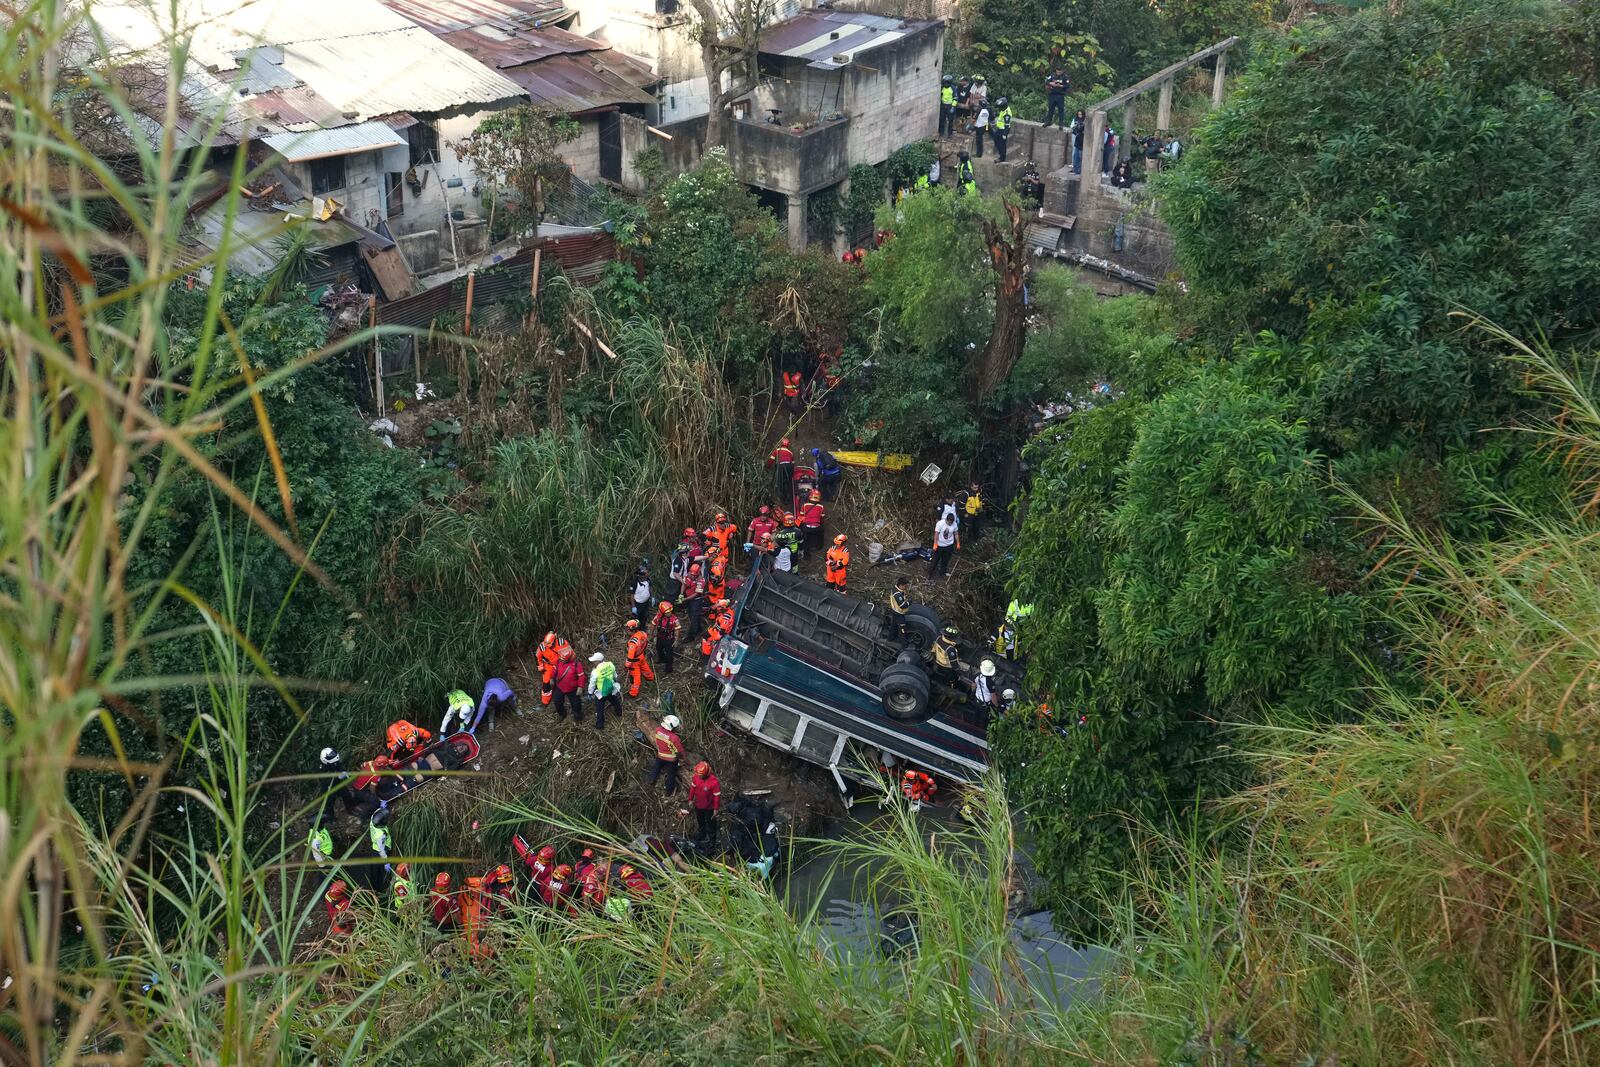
x,y
1009,252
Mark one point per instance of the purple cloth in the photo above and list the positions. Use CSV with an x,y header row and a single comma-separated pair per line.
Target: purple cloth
x,y
493,689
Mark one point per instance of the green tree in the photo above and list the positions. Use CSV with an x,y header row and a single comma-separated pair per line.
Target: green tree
x,y
519,148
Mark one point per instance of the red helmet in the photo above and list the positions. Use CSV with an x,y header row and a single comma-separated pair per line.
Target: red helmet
x,y
788,518
721,517
586,854
785,441
502,873
688,531
816,496
338,890
562,873
765,510
546,854
441,880
839,540
402,870
631,624
550,638
909,776
702,769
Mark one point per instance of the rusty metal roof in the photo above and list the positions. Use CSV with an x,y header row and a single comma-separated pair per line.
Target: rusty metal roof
x,y
445,16
829,40
500,49
575,84
558,69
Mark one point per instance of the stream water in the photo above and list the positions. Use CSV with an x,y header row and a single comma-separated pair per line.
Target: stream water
x,y
853,926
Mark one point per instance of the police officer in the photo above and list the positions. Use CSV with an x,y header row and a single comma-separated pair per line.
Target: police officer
x,y
947,106
1000,126
964,179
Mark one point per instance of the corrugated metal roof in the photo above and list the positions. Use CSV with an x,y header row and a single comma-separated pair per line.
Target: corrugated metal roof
x,y
445,16
344,140
829,40
402,70
574,84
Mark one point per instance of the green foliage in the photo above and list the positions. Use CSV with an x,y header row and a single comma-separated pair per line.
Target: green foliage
x,y
1183,543
864,199
1375,174
911,161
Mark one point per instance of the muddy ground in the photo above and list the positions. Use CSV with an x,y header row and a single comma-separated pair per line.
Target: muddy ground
x,y
540,760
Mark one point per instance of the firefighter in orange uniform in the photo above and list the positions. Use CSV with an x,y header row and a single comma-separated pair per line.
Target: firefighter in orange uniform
x,y
721,626
919,788
721,532
406,740
836,567
638,662
547,656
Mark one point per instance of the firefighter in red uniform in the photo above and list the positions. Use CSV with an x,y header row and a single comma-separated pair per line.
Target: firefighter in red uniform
x,y
782,461
792,380
595,887
634,882
337,901
559,891
499,887
812,518
406,740
637,662
442,902
540,864
666,624
669,749
762,526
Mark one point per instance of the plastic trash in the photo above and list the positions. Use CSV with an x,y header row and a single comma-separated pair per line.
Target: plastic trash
x,y
874,551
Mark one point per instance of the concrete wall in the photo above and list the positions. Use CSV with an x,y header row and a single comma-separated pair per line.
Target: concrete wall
x,y
363,194
777,158
1147,245
430,211
582,153
897,102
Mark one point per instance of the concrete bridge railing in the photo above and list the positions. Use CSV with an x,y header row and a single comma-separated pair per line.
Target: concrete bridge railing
x,y
1128,99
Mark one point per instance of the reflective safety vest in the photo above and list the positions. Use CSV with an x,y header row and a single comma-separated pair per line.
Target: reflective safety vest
x,y
974,504
1015,612
1002,121
319,840
403,892
947,96
838,558
668,747
922,181
791,385
964,175
944,652
900,602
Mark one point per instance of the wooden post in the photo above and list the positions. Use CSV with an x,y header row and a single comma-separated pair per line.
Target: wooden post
x,y
1164,107
538,254
472,280
1216,79
377,359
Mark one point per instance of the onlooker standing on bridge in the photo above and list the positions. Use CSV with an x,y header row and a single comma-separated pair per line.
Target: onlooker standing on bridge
x,y
1055,87
1108,149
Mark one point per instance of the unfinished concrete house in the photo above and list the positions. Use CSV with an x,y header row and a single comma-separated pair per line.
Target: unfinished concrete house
x,y
837,89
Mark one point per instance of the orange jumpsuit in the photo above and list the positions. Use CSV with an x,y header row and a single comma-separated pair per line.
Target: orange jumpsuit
x,y
836,569
721,625
547,656
639,667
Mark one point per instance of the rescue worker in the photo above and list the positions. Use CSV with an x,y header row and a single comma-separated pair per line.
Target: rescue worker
x,y
781,554
694,597
1017,614
604,688
705,796
540,865
637,661
444,907
683,557
1000,127
374,783
947,105
828,473
568,679
717,580
792,380
337,900
460,710
343,789
813,516
983,692
782,462
762,526
634,882
547,656
1005,641
499,889
639,593
722,532
320,842
721,626
404,892
378,834
669,749
581,869
900,603
406,740
560,889
788,536
594,887
918,788
666,624
946,654
497,695
965,181
1008,700
836,567
972,510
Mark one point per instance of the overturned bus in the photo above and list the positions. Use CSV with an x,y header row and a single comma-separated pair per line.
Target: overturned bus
x,y
833,680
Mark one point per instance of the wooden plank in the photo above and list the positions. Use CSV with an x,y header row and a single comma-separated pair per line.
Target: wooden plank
x,y
388,266
472,281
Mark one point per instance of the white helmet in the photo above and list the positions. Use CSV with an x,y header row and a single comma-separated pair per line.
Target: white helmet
x,y
671,722
1009,694
986,668
329,757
